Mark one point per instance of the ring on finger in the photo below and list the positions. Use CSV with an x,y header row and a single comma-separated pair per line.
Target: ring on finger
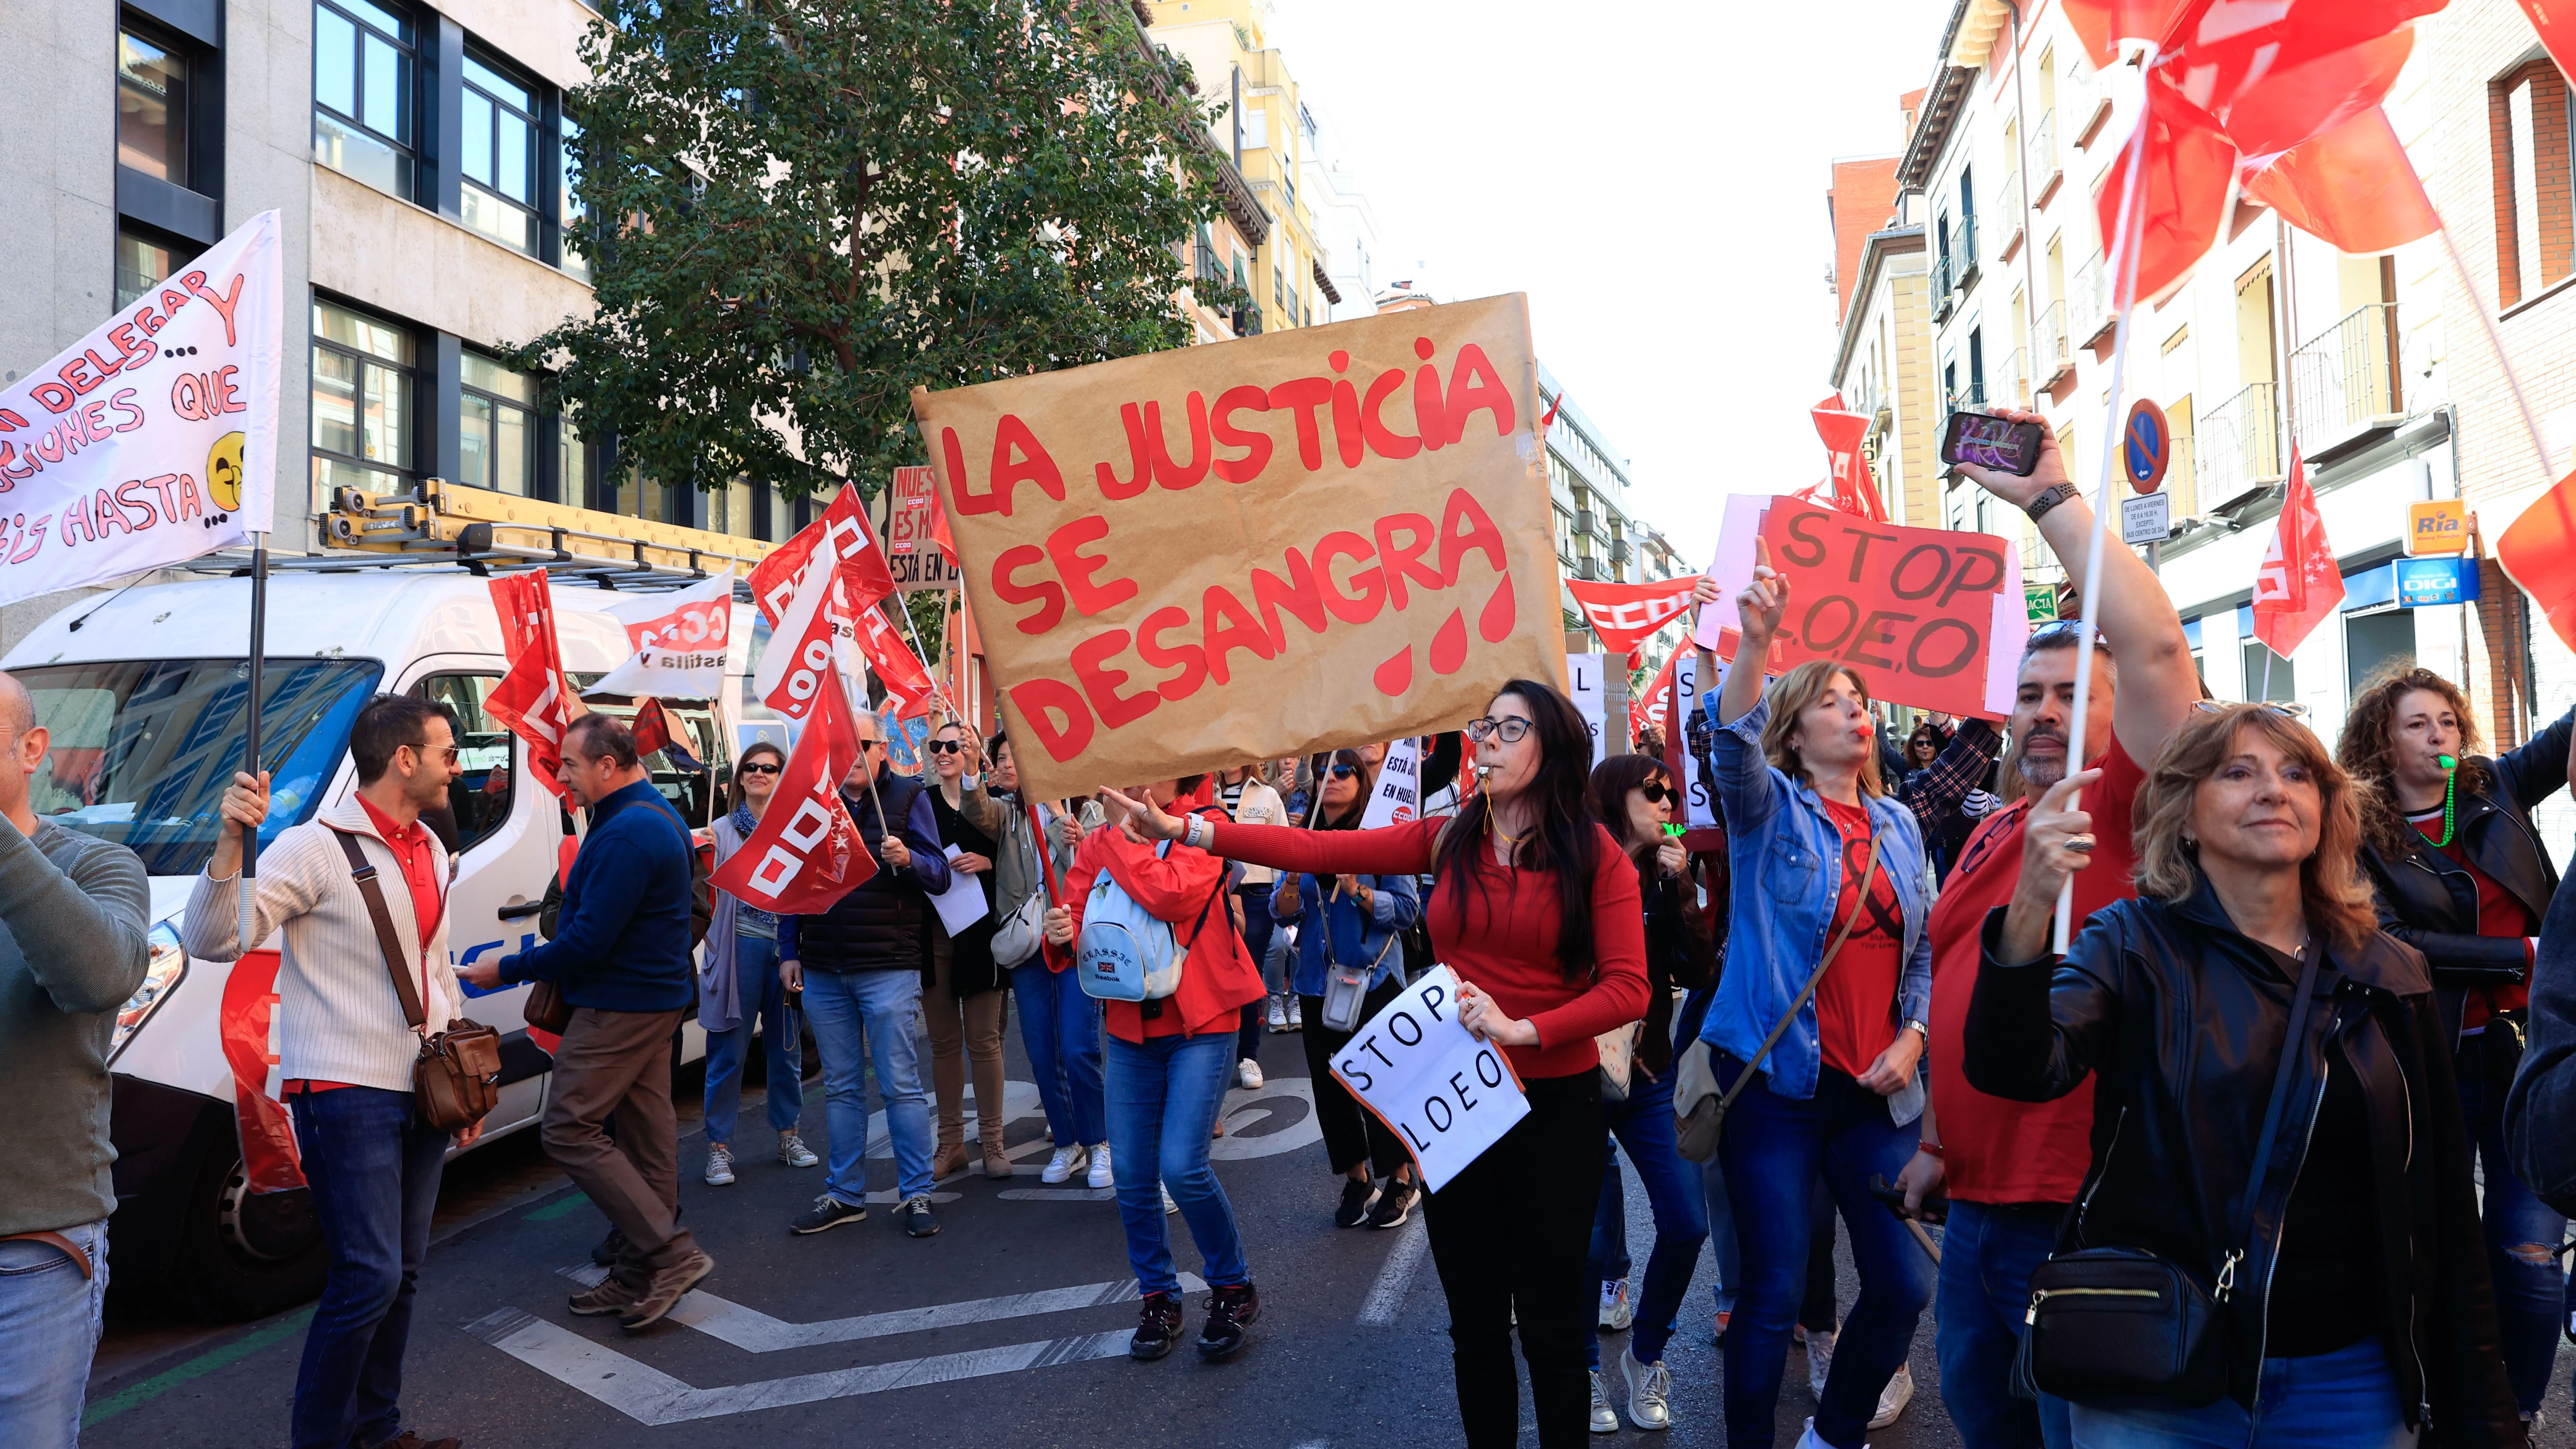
x,y
2081,844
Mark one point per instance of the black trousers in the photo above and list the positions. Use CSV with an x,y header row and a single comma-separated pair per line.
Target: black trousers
x,y
1513,1233
1352,1133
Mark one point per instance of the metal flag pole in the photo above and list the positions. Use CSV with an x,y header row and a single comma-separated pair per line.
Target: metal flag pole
x,y
2124,268
250,741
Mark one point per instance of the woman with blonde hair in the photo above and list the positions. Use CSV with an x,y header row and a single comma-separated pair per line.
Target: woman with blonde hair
x,y
2284,1150
1817,1028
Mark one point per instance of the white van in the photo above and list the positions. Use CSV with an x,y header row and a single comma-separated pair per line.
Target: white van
x,y
144,696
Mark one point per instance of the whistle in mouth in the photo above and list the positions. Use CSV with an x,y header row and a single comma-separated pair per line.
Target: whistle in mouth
x,y
2447,762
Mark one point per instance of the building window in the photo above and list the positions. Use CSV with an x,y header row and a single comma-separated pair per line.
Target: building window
x,y
364,72
500,157
143,261
151,108
364,391
731,508
496,419
2535,240
572,460
568,206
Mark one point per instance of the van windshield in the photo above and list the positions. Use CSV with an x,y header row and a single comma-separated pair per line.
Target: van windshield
x,y
142,749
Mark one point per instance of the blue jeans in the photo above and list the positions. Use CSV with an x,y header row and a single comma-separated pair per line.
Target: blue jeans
x,y
1775,1148
1644,1126
1060,1027
49,1323
859,1016
2522,1235
1988,1253
1258,924
764,999
373,1166
2341,1400
1163,1098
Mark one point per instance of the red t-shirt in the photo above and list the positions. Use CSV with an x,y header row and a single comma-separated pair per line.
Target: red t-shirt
x,y
417,852
2499,914
1856,1002
2000,1151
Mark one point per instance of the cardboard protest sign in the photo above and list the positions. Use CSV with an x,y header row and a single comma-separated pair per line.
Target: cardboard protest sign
x,y
1397,797
1256,548
153,440
1448,1095
679,641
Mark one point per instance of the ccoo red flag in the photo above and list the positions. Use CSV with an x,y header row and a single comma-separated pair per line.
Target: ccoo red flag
x,y
844,529
2352,187
1855,487
2556,22
2298,584
805,853
2538,552
1625,615
532,700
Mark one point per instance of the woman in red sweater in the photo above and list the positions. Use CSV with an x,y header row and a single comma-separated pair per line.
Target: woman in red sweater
x,y
1536,909
1165,1069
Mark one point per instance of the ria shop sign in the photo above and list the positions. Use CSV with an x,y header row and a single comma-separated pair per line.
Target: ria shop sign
x,y
2437,527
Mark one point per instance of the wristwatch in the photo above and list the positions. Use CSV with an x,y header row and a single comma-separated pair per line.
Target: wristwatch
x,y
1919,1026
2048,499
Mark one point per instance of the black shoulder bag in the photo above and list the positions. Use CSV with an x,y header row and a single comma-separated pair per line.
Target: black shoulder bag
x,y
2124,1323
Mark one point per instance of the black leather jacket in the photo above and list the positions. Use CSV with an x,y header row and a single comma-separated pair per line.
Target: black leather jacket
x,y
2180,1018
2430,902
2540,1113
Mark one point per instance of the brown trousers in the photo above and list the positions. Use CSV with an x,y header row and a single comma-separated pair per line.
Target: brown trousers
x,y
620,1061
960,1030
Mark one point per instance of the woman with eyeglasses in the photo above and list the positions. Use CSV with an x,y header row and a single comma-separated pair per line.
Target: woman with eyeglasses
x,y
1817,1023
2285,1133
738,986
1634,796
964,1002
1347,921
1537,912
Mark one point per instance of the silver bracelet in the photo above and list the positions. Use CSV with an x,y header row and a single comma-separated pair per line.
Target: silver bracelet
x,y
1197,834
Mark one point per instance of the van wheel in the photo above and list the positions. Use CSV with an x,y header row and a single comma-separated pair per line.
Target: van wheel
x,y
244,1254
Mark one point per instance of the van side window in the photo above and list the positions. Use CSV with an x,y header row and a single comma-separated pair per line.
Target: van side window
x,y
694,773
478,803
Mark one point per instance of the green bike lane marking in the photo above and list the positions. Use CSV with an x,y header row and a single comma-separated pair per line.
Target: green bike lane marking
x,y
198,1367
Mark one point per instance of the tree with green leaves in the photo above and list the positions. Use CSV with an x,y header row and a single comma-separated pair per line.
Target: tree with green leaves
x,y
803,209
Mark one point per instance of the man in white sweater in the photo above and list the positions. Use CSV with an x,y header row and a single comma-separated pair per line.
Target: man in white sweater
x,y
346,1047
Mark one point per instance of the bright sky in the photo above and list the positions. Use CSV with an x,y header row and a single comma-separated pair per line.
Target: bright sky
x,y
1652,174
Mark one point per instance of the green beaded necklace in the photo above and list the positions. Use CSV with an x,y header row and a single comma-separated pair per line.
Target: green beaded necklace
x,y
2450,796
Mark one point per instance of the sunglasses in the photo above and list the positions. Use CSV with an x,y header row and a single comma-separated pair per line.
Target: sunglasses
x,y
2284,710
867,745
1344,772
946,747
448,755
2050,633
1511,729
758,770
1655,792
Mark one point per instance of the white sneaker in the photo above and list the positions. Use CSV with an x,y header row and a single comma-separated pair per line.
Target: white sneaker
x,y
1278,1013
1296,1013
719,1165
1650,1391
793,1151
1605,1419
1247,1074
1808,1439
1066,1161
1893,1399
1820,1362
1169,1206
1101,1176
1618,1310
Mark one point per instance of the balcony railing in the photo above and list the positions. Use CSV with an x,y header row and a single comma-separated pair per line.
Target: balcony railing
x,y
1587,567
1209,269
1945,283
2090,303
2051,354
2240,443
2043,156
2347,376
1619,550
2182,477
1247,320
2007,215
1585,521
2011,380
1969,399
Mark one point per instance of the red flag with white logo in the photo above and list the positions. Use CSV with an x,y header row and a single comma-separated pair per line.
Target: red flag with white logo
x,y
843,531
1642,707
2538,552
1855,488
1625,615
532,700
2298,584
805,854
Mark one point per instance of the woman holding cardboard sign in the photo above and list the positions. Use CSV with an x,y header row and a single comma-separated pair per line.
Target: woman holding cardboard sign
x,y
1536,909
1828,906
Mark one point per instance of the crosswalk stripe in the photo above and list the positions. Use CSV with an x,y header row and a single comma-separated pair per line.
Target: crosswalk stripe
x,y
1395,1280
753,1331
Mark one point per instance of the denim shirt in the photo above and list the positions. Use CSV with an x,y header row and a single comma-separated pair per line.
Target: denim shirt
x,y
1787,880
1394,905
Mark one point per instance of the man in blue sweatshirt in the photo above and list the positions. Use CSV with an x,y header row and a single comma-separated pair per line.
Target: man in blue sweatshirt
x,y
622,959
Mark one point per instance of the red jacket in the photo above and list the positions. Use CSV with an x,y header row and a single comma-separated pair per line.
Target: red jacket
x,y
1186,887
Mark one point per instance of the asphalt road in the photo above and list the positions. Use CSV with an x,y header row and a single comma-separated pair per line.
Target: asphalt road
x,y
1007,1328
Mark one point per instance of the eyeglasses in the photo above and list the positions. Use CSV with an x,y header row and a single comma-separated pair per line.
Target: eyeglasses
x,y
2057,629
1344,772
759,769
448,756
1511,729
1654,792
946,747
2286,710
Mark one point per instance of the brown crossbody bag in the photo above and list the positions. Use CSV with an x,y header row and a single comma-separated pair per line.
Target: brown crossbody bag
x,y
456,1080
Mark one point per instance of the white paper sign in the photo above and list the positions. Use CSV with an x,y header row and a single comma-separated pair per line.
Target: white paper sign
x,y
1398,796
1448,1095
1583,681
153,440
679,641
1732,568
962,904
1701,790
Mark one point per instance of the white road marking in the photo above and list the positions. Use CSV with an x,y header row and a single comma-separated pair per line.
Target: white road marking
x,y
1395,1280
753,1331
649,1396
1058,1194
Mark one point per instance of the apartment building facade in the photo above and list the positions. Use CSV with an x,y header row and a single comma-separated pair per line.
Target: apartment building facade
x,y
2276,342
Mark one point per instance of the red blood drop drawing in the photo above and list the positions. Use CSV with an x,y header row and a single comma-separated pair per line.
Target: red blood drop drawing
x,y
1500,614
1395,676
1449,646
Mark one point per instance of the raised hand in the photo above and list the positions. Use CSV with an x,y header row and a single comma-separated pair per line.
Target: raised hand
x,y
1139,813
1759,607
2012,487
2057,841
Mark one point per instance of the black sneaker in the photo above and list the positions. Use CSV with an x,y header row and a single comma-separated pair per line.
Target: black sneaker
x,y
916,1217
610,1248
1158,1326
1395,1204
828,1212
1357,1194
1231,1309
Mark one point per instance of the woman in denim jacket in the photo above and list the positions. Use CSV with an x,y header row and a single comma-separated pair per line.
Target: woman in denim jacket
x,y
1838,1094
1363,916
